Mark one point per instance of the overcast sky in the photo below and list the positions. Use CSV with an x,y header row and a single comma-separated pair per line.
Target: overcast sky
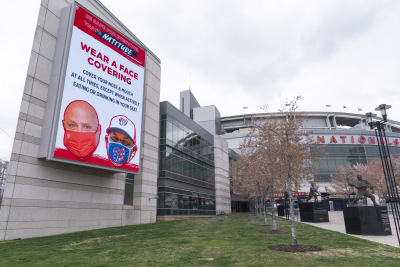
x,y
240,53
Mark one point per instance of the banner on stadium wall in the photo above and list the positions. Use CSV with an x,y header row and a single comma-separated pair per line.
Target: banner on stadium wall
x,y
100,117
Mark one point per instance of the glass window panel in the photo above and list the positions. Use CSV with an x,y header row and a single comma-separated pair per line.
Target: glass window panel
x,y
171,201
162,160
181,133
193,205
197,142
200,176
178,130
199,172
322,165
195,171
394,150
128,196
168,151
190,168
331,164
163,129
180,165
171,162
175,167
186,202
183,165
160,200
180,201
169,131
184,130
174,134
130,177
186,168
204,174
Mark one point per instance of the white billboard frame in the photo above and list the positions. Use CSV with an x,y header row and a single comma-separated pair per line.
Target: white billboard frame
x,y
56,89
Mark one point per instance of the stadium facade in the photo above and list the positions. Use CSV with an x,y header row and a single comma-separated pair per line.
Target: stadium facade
x,y
346,138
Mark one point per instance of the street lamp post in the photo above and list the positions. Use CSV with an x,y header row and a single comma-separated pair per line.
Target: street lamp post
x,y
384,153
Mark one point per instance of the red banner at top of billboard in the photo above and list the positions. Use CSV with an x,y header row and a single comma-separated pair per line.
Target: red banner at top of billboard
x,y
91,25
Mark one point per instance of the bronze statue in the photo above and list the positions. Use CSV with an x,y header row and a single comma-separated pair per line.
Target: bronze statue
x,y
364,190
313,192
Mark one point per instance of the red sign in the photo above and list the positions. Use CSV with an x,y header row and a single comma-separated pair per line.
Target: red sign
x,y
100,118
91,25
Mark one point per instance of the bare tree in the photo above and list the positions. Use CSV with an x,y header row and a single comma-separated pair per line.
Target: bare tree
x,y
277,155
249,174
295,154
244,180
372,172
265,159
341,179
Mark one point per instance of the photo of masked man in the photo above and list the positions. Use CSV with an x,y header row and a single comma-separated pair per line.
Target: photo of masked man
x,y
81,129
121,140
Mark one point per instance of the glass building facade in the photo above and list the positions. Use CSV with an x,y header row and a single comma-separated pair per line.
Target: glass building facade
x,y
330,157
186,184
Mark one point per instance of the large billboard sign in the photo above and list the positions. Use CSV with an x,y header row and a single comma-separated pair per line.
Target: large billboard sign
x,y
98,114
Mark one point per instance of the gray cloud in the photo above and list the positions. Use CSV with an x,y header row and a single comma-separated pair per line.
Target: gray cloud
x,y
243,53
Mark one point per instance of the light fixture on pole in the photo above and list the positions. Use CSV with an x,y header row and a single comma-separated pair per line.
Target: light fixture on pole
x,y
387,167
382,108
369,119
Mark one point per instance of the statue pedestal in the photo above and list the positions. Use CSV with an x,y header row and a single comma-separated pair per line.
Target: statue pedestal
x,y
367,220
313,212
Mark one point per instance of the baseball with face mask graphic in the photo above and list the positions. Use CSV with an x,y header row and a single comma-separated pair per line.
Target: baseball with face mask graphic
x,y
121,140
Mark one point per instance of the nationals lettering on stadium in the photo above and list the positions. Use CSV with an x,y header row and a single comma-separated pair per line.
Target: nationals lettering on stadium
x,y
354,139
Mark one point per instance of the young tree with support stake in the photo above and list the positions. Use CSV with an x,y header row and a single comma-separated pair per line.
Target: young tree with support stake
x,y
241,182
247,178
280,155
265,160
294,154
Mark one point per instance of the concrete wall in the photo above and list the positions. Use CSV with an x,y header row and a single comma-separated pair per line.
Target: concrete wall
x,y
47,198
209,118
222,184
187,102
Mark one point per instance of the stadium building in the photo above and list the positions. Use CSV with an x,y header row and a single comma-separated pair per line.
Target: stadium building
x,y
346,137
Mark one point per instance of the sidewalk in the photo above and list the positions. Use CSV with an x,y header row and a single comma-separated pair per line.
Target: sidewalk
x,y
336,223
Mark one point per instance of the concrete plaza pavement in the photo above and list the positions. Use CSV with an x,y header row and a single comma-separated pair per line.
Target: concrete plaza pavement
x,y
336,223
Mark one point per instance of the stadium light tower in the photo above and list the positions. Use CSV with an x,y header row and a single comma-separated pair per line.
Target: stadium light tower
x,y
384,153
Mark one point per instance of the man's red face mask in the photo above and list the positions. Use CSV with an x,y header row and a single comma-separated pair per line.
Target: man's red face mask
x,y
81,144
